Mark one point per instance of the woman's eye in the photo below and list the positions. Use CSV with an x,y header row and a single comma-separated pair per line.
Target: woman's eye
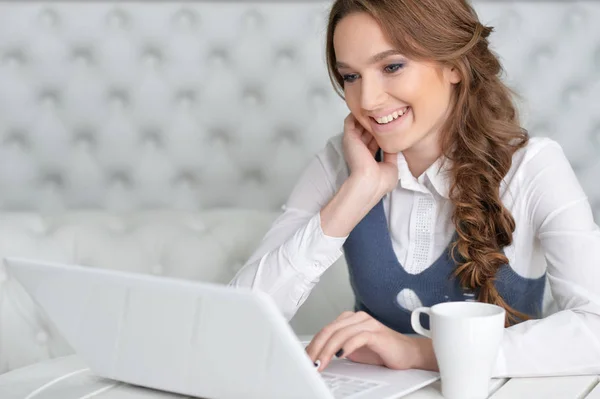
x,y
349,78
393,68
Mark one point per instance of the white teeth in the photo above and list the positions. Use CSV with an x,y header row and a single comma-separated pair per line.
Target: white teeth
x,y
387,119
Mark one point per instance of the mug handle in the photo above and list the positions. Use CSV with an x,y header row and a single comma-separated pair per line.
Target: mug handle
x,y
415,321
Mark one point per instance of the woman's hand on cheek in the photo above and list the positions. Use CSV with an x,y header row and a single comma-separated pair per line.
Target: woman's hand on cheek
x,y
360,148
362,339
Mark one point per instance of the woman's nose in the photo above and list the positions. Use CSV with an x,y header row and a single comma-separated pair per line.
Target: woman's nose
x,y
373,94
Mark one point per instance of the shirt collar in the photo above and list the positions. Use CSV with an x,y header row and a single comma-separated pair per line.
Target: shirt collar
x,y
438,175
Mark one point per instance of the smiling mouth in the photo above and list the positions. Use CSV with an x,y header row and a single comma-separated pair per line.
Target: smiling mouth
x,y
384,120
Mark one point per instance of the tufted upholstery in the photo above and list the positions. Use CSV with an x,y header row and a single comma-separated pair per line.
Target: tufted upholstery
x,y
163,137
160,104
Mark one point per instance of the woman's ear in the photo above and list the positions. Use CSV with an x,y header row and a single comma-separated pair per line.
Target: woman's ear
x,y
453,75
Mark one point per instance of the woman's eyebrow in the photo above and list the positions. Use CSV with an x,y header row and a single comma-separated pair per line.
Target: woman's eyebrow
x,y
374,59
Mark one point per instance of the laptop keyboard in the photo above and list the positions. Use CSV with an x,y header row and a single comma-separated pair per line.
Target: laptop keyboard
x,y
346,387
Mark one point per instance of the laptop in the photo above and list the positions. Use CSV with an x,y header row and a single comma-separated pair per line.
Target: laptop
x,y
193,338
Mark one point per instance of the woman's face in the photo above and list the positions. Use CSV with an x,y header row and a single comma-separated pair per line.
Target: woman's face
x,y
401,102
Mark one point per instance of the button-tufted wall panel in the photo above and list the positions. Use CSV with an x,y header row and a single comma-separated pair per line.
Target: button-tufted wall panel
x,y
551,53
191,105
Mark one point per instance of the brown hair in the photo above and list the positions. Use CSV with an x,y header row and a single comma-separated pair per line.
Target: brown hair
x,y
479,137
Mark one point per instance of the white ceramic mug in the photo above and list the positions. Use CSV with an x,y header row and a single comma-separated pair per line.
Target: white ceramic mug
x,y
466,337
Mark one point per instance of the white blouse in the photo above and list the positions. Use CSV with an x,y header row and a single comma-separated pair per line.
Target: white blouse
x,y
555,233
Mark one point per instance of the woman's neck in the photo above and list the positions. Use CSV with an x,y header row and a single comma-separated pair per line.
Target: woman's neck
x,y
420,159
422,154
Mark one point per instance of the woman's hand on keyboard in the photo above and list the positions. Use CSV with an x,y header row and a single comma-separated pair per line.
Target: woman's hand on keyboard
x,y
362,339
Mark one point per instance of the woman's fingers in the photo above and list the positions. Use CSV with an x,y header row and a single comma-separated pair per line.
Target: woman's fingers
x,y
320,340
336,344
365,139
351,126
390,158
311,344
368,140
365,355
345,315
361,338
373,146
357,342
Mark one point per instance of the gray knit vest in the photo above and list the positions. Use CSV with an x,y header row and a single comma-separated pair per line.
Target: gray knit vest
x,y
377,277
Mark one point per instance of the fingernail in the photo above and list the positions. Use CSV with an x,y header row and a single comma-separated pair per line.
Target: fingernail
x,y
317,363
339,353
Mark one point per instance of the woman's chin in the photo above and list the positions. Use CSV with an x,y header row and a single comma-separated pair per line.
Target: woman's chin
x,y
391,145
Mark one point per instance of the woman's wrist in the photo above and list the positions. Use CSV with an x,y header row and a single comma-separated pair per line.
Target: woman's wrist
x,y
354,199
423,355
367,188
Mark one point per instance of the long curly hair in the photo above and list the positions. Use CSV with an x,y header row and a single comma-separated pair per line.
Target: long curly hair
x,y
480,136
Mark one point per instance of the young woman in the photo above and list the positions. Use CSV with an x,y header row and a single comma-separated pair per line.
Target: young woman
x,y
435,193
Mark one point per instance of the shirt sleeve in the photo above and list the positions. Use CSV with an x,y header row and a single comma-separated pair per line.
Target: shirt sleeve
x,y
568,341
295,252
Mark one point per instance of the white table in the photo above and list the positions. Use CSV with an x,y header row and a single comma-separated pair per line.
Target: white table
x,y
21,383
